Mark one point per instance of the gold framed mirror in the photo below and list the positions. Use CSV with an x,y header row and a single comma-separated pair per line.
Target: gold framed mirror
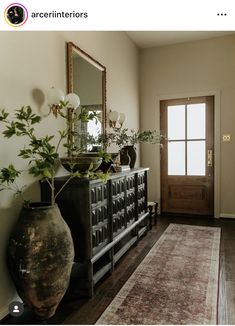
x,y
87,78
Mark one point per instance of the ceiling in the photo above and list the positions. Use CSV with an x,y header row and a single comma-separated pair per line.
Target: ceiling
x,y
149,39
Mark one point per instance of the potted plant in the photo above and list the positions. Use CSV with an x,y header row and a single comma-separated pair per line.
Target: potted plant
x,y
83,152
40,252
126,139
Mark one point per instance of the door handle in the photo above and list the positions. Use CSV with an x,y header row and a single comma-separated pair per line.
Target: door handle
x,y
209,157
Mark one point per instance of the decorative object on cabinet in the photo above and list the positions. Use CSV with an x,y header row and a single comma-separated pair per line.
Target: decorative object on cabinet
x,y
131,152
109,163
82,162
126,139
124,156
76,159
105,219
122,168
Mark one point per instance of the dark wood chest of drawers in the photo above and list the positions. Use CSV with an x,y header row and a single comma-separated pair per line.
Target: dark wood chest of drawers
x,y
105,218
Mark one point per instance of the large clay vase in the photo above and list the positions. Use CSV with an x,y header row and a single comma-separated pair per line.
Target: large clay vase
x,y
132,153
40,257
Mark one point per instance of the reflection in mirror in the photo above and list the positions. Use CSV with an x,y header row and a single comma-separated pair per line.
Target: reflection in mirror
x,y
87,78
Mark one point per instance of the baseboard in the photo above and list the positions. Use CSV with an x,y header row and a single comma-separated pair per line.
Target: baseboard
x,y
227,215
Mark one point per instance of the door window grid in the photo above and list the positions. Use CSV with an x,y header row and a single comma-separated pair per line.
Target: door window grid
x,y
187,156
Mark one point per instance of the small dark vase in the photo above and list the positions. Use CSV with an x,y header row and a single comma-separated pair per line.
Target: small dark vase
x,y
124,156
40,257
132,153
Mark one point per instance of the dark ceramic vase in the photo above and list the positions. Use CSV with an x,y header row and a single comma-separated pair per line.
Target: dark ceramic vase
x,y
40,257
124,156
132,153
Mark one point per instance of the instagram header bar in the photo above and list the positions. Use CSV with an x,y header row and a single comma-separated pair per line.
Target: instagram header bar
x,y
117,15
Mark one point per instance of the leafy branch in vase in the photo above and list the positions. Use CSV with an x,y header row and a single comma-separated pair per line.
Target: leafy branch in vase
x,y
41,153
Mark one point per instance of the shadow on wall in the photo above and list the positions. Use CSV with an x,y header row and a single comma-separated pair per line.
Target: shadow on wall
x,y
39,99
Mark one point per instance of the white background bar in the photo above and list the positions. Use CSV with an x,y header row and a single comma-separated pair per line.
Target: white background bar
x,y
128,15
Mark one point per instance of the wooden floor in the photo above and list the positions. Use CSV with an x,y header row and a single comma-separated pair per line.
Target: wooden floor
x,y
86,311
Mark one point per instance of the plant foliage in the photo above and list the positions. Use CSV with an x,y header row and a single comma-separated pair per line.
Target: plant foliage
x,y
42,153
125,137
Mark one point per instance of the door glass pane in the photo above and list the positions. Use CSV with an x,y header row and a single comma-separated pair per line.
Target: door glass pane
x,y
176,158
196,157
176,122
196,121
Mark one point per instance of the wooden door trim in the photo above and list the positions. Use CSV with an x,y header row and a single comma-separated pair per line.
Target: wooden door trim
x,y
201,182
217,135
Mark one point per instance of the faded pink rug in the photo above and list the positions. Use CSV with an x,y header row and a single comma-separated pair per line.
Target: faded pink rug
x,y
176,283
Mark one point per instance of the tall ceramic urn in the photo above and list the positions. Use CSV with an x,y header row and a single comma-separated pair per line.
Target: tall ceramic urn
x,y
40,257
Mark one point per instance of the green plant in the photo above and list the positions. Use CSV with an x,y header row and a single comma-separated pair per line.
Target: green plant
x,y
125,137
42,153
8,176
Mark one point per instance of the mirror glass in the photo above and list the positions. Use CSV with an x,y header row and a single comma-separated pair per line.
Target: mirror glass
x,y
87,79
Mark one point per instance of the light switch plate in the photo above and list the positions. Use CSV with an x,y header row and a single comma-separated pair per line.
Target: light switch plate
x,y
226,138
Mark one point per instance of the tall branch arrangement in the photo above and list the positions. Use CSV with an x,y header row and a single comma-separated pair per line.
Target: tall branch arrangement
x,y
42,153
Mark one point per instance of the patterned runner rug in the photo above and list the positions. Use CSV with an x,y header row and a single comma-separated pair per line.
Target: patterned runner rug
x,y
176,283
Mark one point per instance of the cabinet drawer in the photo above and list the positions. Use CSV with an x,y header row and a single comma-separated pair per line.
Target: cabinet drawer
x,y
118,205
100,237
99,215
142,201
130,182
98,194
130,199
141,178
119,223
130,214
141,206
118,186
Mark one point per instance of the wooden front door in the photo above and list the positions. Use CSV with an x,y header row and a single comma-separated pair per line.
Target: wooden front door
x,y
187,173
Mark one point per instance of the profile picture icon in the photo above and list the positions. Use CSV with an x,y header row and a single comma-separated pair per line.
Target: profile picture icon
x,y
16,14
16,308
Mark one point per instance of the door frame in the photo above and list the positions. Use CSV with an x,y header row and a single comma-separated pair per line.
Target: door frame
x,y
216,94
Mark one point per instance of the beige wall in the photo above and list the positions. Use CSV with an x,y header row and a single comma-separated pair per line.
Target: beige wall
x,y
202,67
31,62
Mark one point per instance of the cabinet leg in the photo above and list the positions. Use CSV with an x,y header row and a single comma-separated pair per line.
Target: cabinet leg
x,y
111,253
90,280
155,213
150,207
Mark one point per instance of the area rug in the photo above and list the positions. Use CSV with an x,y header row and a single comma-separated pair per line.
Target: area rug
x,y
176,283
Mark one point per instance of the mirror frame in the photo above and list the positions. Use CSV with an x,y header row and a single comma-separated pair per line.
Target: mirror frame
x,y
72,47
